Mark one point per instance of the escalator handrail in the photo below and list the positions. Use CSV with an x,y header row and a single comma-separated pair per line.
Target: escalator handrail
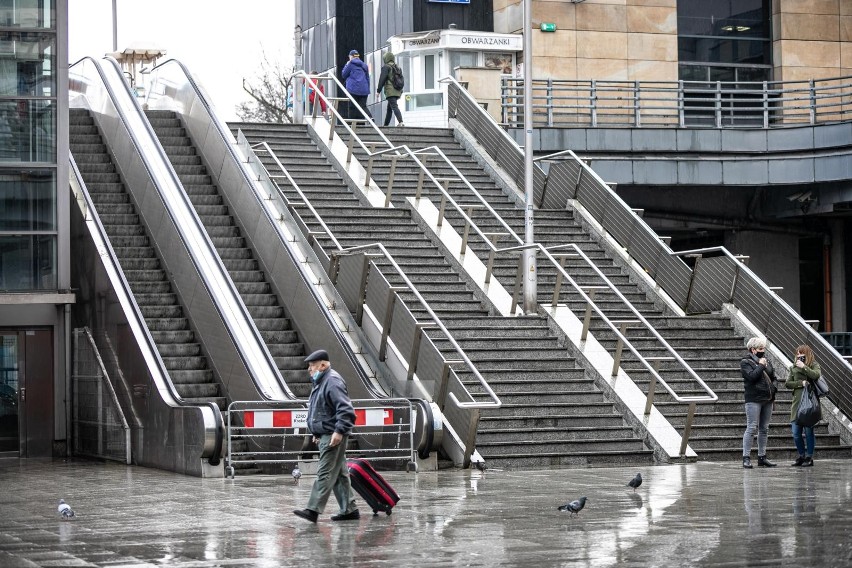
x,y
238,322
154,363
230,143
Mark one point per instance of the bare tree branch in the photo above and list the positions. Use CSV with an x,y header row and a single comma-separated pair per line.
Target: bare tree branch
x,y
271,94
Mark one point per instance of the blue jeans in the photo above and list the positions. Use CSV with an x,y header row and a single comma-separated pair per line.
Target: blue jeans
x,y
809,439
758,415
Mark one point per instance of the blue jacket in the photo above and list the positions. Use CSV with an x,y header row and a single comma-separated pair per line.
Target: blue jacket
x,y
330,409
357,77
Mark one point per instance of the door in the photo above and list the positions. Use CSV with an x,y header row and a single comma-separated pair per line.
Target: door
x,y
26,392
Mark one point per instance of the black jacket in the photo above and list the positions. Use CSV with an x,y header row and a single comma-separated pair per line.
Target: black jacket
x,y
330,409
757,388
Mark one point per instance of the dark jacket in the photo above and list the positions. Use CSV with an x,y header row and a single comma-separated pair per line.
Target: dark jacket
x,y
757,388
796,380
330,409
385,84
357,77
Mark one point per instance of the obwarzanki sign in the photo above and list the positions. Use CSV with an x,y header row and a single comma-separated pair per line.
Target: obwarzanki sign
x,y
457,39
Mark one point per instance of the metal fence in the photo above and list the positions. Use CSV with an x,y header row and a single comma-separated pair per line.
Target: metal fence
x,y
99,427
267,433
719,104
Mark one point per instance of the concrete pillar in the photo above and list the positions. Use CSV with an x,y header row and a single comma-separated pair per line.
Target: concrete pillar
x,y
773,257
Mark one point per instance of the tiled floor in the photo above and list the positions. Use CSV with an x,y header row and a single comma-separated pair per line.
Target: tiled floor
x,y
704,514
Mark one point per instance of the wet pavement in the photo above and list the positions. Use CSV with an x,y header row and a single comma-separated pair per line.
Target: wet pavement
x,y
701,514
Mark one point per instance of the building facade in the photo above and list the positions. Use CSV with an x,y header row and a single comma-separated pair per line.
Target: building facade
x,y
34,228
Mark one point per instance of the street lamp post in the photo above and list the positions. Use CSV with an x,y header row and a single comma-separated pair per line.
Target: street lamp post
x,y
529,265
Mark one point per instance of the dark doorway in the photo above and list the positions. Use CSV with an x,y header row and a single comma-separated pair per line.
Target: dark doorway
x,y
811,281
26,392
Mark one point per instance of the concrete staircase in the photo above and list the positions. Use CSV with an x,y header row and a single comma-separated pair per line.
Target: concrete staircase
x,y
269,316
176,342
551,415
708,342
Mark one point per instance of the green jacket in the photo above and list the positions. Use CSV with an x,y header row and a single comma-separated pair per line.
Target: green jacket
x,y
796,381
385,82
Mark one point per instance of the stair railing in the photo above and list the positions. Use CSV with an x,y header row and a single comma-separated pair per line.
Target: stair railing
x,y
721,277
351,270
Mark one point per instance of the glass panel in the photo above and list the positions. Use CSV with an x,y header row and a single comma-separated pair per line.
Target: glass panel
x,y
27,13
503,61
741,18
28,262
27,63
694,73
429,72
723,50
463,59
27,200
424,101
27,131
8,393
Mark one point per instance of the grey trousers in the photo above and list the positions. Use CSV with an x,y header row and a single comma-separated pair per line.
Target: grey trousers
x,y
758,415
332,475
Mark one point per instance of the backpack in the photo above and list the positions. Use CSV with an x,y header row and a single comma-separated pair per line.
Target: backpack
x,y
396,78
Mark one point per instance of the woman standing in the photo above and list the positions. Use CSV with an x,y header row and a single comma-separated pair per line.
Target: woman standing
x,y
804,372
759,379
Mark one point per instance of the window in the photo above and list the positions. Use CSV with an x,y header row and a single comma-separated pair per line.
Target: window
x,y
428,71
463,59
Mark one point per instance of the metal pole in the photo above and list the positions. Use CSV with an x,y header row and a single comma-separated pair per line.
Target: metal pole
x,y
530,275
114,26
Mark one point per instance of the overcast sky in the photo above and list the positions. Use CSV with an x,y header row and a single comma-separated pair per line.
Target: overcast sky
x,y
220,41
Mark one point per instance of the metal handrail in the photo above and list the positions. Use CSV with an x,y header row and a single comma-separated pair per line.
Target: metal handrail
x,y
136,321
113,396
668,103
341,251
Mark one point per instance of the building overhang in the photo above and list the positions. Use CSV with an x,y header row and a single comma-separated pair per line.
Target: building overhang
x,y
47,297
455,40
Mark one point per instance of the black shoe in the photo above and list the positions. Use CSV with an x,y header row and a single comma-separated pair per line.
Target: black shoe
x,y
747,462
763,462
799,461
809,462
354,515
307,514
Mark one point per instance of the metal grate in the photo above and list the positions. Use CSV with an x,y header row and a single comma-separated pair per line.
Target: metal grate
x,y
99,427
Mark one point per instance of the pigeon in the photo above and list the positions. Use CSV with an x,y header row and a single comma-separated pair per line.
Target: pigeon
x,y
635,482
297,474
65,510
574,507
480,465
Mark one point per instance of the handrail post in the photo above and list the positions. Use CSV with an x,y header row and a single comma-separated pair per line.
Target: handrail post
x,y
350,146
812,89
362,291
391,175
443,387
587,317
718,104
491,256
421,177
681,114
593,103
446,184
466,233
333,120
687,429
516,292
616,360
557,288
388,319
504,112
637,112
766,104
550,102
649,401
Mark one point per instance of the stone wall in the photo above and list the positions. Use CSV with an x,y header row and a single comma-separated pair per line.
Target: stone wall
x,y
812,39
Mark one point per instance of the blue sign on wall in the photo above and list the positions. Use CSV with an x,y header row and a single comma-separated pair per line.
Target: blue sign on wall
x,y
450,1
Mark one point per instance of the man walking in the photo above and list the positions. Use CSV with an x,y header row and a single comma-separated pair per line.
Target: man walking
x,y
356,73
330,420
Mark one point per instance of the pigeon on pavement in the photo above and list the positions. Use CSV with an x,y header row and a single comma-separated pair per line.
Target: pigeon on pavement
x,y
635,482
65,510
297,474
574,507
480,465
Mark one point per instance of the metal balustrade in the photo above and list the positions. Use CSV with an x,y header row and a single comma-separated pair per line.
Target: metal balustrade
x,y
718,104
355,273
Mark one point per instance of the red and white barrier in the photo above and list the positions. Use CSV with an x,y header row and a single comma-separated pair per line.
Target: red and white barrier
x,y
299,418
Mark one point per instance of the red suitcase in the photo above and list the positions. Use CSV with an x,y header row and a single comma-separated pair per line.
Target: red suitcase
x,y
371,486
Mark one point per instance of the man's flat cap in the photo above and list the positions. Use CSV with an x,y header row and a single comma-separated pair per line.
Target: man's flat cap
x,y
319,355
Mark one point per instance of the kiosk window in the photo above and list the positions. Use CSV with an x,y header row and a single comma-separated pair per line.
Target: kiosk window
x,y
429,72
463,59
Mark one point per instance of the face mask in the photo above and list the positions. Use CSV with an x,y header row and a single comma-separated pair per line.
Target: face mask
x,y
316,376
759,354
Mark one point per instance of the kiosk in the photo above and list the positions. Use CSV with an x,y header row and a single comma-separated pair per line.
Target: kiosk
x,y
425,57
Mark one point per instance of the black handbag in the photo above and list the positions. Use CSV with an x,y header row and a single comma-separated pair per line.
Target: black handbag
x,y
810,411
